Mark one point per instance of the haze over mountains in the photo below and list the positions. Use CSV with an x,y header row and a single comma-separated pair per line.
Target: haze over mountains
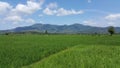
x,y
74,28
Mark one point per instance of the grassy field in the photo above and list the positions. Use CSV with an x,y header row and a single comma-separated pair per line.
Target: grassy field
x,y
59,51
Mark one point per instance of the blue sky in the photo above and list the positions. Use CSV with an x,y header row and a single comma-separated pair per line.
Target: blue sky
x,y
18,13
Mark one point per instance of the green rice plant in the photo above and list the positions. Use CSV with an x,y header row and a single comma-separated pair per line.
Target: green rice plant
x,y
17,51
94,56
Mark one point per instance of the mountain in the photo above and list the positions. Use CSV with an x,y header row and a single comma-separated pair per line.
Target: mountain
x,y
74,28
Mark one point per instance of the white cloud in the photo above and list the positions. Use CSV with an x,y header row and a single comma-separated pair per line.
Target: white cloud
x,y
64,12
49,11
30,21
111,23
20,13
4,7
52,9
52,5
18,19
28,8
113,17
13,19
101,22
90,23
89,1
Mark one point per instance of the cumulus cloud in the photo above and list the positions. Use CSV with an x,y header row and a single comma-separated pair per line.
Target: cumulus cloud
x,y
20,12
13,19
20,9
112,17
28,8
16,19
52,9
4,7
63,12
49,11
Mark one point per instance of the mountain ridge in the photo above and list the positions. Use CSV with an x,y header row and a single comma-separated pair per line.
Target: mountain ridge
x,y
73,28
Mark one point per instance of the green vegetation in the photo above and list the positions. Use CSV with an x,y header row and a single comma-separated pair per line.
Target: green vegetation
x,y
46,32
97,56
17,51
111,30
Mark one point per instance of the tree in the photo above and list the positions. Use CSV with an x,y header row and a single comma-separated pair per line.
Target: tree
x,y
46,32
6,33
111,30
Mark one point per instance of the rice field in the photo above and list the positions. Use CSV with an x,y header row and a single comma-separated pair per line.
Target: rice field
x,y
59,51
94,56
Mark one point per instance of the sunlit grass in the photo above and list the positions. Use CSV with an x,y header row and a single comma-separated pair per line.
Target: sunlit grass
x,y
97,56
